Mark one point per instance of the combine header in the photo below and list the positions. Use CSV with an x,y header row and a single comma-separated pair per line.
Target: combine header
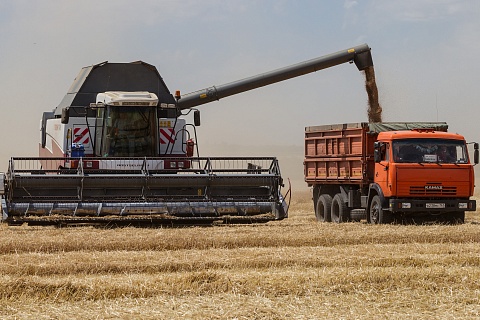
x,y
117,151
211,190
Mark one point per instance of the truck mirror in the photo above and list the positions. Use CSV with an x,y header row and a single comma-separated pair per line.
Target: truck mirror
x,y
196,118
377,151
475,153
377,157
65,116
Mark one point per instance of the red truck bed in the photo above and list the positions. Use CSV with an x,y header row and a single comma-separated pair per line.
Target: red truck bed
x,y
343,153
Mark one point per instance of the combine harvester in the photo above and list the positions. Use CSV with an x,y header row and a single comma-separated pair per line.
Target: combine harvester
x,y
117,151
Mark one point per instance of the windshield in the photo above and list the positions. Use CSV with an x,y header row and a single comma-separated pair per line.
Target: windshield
x,y
429,150
128,131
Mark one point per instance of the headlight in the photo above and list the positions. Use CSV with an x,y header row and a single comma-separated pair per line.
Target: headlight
x,y
406,205
463,205
173,164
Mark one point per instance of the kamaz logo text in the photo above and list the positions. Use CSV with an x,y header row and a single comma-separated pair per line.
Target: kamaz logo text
x,y
433,187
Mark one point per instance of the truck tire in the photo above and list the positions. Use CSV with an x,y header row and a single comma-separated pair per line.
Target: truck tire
x,y
339,211
323,208
377,214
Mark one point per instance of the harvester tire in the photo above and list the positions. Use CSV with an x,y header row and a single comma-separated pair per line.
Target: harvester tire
x,y
323,208
377,214
339,212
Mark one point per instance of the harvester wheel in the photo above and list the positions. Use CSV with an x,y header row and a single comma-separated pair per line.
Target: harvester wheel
x,y
323,208
377,214
339,212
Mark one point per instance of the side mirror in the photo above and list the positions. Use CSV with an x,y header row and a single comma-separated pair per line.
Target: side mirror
x,y
65,116
196,118
475,153
377,156
45,117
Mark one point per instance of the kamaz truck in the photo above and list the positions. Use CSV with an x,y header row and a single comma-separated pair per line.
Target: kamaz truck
x,y
386,172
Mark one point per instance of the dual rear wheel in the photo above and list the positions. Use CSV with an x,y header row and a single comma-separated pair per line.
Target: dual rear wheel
x,y
335,209
330,209
323,207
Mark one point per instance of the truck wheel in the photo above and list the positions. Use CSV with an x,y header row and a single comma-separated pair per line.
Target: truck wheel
x,y
377,214
322,210
339,211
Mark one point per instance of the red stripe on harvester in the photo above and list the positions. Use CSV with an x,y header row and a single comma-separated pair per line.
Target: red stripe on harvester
x,y
80,136
167,135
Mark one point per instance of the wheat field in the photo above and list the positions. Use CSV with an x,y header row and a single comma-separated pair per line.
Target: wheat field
x,y
291,269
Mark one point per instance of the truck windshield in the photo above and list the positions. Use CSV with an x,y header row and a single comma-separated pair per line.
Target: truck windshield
x,y
429,150
127,131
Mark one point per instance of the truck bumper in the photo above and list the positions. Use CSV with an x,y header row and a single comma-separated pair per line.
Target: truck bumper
x,y
431,206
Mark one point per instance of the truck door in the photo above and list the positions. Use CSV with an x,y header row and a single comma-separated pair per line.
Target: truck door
x,y
382,169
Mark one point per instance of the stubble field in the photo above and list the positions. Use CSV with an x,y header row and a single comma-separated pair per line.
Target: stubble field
x,y
291,269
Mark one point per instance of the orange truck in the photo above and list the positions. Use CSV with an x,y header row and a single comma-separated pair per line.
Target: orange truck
x,y
387,172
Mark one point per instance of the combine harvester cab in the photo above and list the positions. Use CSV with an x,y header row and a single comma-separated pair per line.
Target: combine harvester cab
x,y
117,151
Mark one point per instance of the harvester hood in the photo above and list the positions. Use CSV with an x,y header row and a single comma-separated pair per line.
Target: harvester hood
x,y
105,76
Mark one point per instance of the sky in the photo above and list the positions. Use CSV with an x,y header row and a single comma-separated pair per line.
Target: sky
x,y
423,53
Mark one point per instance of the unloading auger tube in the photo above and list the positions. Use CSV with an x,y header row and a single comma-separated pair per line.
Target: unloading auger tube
x,y
222,190
360,55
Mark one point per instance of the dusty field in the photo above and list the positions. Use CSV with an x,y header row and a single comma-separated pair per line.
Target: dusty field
x,y
293,269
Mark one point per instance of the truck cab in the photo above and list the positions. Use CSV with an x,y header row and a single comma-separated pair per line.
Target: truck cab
x,y
423,170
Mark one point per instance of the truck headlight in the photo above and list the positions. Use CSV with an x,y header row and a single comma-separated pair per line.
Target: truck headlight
x,y
173,164
406,205
463,205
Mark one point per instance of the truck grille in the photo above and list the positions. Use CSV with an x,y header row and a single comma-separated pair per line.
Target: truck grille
x,y
421,190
